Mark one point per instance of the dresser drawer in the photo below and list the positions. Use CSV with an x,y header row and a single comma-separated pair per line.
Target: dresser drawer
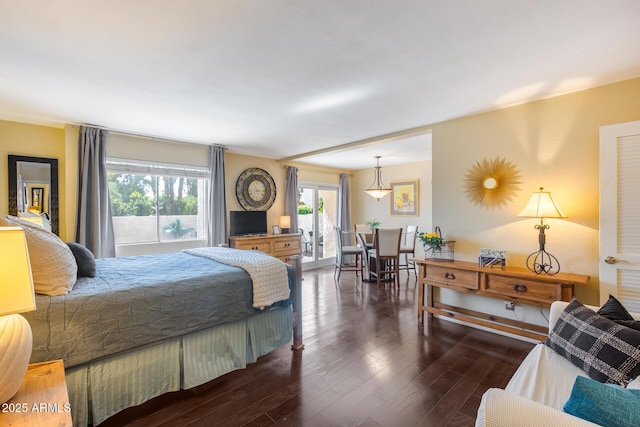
x,y
512,287
279,246
286,246
256,245
452,277
287,258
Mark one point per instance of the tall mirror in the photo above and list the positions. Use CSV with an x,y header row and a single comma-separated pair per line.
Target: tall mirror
x,y
33,190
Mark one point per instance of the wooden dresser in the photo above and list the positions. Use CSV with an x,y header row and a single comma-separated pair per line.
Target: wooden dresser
x,y
282,246
518,285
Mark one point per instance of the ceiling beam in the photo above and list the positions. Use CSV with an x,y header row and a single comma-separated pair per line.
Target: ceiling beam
x,y
381,139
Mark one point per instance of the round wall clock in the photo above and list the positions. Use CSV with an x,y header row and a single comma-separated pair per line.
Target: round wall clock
x,y
255,189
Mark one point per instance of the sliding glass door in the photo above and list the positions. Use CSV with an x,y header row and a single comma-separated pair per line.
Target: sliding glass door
x,y
317,215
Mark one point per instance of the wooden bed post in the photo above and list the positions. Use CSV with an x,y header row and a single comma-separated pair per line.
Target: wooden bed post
x,y
297,304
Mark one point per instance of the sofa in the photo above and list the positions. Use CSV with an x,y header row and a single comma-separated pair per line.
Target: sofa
x,y
544,382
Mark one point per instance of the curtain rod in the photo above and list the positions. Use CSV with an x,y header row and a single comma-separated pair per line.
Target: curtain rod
x,y
140,135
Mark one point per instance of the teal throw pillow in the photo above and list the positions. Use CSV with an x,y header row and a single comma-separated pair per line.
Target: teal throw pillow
x,y
604,404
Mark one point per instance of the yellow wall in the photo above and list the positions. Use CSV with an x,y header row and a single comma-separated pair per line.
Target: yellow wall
x,y
365,208
236,163
555,144
36,141
70,176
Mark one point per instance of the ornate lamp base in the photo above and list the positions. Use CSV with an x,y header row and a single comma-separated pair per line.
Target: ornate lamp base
x,y
542,261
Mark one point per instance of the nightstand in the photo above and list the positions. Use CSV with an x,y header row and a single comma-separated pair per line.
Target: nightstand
x,y
41,400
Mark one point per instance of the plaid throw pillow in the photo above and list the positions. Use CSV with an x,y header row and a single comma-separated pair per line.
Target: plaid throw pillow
x,y
606,351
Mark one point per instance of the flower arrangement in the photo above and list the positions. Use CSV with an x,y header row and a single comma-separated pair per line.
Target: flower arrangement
x,y
435,247
431,241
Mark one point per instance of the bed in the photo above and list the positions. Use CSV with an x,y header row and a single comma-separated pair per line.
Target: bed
x,y
148,325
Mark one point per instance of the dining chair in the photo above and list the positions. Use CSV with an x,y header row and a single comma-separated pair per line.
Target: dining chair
x,y
342,254
362,243
408,248
386,253
306,243
366,233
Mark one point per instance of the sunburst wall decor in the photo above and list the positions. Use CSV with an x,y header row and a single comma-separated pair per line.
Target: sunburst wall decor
x,y
492,183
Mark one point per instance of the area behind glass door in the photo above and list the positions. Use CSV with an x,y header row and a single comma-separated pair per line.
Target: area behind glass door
x,y
317,215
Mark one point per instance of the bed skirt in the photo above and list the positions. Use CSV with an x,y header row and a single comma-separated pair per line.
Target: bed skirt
x,y
100,389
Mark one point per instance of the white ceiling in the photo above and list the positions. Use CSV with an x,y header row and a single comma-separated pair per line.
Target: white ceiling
x,y
281,78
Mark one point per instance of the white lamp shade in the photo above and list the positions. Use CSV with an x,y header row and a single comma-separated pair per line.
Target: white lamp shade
x,y
542,205
285,221
378,193
16,283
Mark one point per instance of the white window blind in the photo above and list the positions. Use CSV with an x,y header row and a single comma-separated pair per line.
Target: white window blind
x,y
116,165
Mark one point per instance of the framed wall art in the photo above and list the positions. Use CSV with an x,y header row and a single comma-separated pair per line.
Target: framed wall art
x,y
405,198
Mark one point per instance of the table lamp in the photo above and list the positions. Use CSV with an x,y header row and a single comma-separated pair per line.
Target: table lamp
x,y
285,223
541,205
16,296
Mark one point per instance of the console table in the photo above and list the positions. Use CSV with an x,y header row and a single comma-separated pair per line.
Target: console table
x,y
282,246
505,283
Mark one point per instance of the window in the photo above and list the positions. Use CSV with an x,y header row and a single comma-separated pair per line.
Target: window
x,y
155,203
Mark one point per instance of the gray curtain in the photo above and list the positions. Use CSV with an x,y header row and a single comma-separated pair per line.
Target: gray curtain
x,y
344,211
94,225
217,200
291,197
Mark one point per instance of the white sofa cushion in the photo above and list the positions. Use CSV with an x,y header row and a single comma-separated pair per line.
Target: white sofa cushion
x,y
500,408
544,377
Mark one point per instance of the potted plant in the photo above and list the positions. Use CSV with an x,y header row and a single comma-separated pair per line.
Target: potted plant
x,y
373,224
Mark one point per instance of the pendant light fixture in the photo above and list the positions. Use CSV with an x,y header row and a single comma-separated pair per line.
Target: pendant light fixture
x,y
377,189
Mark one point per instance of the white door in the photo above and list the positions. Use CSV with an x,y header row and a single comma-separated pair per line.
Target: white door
x,y
620,213
317,215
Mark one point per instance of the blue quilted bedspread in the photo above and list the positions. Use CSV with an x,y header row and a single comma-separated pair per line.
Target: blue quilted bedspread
x,y
135,301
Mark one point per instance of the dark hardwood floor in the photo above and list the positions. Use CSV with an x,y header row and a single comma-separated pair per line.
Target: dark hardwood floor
x,y
365,363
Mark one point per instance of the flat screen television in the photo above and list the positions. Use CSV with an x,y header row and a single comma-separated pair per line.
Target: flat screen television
x,y
247,222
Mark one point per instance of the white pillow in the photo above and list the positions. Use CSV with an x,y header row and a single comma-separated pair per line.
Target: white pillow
x,y
53,265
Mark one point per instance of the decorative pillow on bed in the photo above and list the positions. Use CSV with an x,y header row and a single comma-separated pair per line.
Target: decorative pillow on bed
x,y
53,266
606,351
84,258
604,404
614,310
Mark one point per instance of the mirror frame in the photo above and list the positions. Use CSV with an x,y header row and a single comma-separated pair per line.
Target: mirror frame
x,y
13,187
